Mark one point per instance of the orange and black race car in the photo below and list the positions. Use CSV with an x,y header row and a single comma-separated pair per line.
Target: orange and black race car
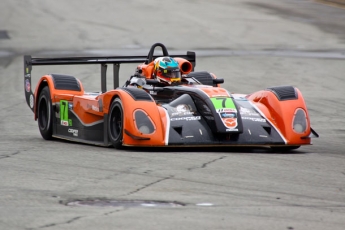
x,y
195,112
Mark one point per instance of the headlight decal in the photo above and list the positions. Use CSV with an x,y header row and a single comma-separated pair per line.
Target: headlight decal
x,y
300,124
143,122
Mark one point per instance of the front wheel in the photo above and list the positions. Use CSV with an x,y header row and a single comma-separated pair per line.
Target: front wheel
x,y
44,114
115,123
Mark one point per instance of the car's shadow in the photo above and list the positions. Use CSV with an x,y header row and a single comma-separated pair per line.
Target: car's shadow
x,y
204,149
256,150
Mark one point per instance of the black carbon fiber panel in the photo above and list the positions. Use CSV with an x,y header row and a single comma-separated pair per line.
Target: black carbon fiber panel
x,y
203,77
65,82
138,94
284,92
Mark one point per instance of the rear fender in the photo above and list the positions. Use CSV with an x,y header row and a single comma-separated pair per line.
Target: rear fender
x,y
55,94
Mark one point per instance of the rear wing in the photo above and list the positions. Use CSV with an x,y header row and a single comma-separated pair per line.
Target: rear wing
x,y
116,61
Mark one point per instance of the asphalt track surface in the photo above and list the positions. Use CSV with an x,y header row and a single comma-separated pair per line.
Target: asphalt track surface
x,y
252,45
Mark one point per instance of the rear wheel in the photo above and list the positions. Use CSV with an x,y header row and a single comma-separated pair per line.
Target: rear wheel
x,y
115,123
44,114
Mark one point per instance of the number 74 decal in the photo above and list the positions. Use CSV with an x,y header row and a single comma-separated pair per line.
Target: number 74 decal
x,y
227,111
223,103
64,113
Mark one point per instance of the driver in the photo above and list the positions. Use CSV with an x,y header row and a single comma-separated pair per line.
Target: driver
x,y
166,70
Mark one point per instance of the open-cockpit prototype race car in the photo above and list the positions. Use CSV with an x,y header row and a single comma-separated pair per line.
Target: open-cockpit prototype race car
x,y
195,112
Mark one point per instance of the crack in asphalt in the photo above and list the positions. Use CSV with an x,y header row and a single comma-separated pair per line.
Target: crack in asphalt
x,y
56,224
9,155
207,163
148,185
108,213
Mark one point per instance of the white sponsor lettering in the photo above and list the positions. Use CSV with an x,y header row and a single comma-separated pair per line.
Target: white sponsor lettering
x,y
254,119
31,101
229,130
182,113
186,118
182,108
95,108
248,112
74,132
226,110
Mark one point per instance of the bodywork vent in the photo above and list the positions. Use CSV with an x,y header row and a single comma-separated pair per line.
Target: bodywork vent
x,y
138,94
284,92
65,82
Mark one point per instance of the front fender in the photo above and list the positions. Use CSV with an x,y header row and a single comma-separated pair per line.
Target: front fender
x,y
134,99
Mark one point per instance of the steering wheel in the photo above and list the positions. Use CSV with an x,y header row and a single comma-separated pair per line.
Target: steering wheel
x,y
150,55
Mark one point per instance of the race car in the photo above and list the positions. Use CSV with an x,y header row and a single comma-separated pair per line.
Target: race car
x,y
196,112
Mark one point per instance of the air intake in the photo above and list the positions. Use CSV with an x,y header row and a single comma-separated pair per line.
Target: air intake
x,y
65,82
284,93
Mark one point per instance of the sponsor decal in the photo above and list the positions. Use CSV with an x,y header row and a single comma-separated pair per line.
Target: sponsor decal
x,y
196,118
254,119
74,132
228,115
27,75
226,110
249,112
64,123
27,85
229,130
182,114
153,92
183,108
230,122
31,101
95,108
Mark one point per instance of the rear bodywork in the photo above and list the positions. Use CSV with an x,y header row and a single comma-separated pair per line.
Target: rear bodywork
x,y
184,115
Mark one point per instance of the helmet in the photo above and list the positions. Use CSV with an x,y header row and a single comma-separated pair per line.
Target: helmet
x,y
166,70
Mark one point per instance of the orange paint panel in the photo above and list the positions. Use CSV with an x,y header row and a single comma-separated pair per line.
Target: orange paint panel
x,y
87,109
215,92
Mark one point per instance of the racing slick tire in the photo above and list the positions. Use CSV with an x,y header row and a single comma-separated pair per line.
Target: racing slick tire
x,y
115,123
44,114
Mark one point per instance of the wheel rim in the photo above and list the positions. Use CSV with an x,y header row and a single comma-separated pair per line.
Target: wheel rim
x,y
43,114
116,123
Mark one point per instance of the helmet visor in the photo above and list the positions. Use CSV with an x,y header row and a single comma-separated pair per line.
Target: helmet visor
x,y
173,74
